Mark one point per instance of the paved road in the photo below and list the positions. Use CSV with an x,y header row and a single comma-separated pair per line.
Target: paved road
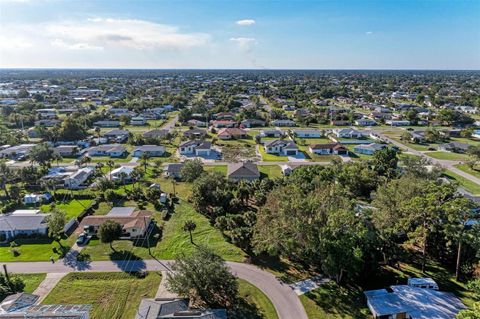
x,y
283,297
170,124
449,165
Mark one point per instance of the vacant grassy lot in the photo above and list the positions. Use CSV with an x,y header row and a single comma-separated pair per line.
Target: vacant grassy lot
x,y
271,171
216,168
253,296
31,281
113,295
72,208
332,301
448,156
34,249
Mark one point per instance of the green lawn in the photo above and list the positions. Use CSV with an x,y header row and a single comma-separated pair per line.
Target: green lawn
x,y
216,168
331,301
475,172
470,186
173,240
255,297
271,157
112,295
72,208
31,281
34,249
448,156
271,171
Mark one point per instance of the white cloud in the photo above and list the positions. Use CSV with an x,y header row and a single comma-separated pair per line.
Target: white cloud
x,y
244,43
245,22
99,33
369,32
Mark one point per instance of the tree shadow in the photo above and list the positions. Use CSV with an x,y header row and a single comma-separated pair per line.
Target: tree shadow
x,y
245,310
127,261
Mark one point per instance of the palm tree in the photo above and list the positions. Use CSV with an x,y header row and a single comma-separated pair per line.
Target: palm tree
x,y
110,164
144,159
190,226
123,176
5,175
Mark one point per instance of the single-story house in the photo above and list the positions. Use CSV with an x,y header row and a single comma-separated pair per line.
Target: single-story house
x,y
312,133
281,147
328,149
173,170
23,222
17,151
156,134
76,180
417,136
195,147
398,122
476,134
252,123
197,123
286,169
231,133
365,122
138,120
121,174
243,171
223,123
347,133
150,150
282,123
403,301
153,308
47,122
112,150
118,136
134,225
340,122
107,123
224,116
66,150
455,147
29,199
368,149
195,133
271,133
25,305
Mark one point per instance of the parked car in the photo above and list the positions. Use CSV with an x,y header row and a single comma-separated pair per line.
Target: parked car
x,y
82,239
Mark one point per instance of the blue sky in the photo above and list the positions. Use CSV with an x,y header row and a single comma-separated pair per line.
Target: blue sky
x,y
295,34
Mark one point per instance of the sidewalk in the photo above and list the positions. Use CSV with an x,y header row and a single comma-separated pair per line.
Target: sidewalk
x,y
48,284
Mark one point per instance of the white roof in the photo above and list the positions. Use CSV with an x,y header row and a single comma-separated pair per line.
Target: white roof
x,y
421,281
25,212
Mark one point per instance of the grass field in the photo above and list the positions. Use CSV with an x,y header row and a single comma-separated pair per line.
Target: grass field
x,y
255,297
216,168
112,295
332,301
72,208
475,172
31,281
448,156
34,249
271,171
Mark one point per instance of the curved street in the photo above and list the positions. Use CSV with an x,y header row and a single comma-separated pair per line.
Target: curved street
x,y
285,300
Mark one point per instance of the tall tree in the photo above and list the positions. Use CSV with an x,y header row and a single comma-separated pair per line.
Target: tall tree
x,y
56,223
205,278
110,231
190,227
191,170
42,154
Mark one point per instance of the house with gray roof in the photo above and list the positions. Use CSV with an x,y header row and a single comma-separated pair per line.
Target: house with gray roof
x,y
281,147
112,150
23,222
243,171
403,301
149,150
175,308
307,133
368,149
118,136
195,147
173,170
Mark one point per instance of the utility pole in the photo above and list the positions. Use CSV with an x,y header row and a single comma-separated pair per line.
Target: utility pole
x,y
148,234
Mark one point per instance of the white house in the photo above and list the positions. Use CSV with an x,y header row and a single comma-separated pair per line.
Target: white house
x,y
282,123
150,150
112,150
281,147
365,122
398,122
347,133
23,222
312,133
107,123
328,149
75,180
121,174
138,120
196,147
